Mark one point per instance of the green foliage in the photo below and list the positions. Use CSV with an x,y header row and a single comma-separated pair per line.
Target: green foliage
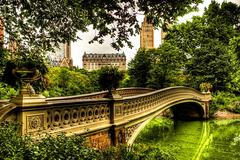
x,y
167,65
234,45
157,68
12,146
46,23
109,78
94,77
210,63
16,147
66,82
225,101
205,41
155,130
3,60
126,82
61,147
139,68
6,92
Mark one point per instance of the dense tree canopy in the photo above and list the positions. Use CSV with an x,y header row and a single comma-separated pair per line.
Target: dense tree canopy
x,y
42,23
157,68
67,82
139,68
204,50
37,26
167,67
205,41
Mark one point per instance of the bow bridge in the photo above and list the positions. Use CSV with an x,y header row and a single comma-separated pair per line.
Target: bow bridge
x,y
104,121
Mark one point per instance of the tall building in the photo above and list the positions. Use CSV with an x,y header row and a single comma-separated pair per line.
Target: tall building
x,y
61,56
1,31
67,61
146,35
94,61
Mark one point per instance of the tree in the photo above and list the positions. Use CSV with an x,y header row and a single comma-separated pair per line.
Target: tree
x,y
37,26
157,68
167,67
109,78
205,42
44,23
139,68
68,82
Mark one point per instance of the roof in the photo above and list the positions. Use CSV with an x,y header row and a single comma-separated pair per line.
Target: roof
x,y
103,55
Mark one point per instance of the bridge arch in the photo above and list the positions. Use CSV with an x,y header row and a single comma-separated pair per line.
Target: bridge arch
x,y
178,104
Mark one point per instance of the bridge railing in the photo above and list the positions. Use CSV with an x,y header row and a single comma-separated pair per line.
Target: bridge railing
x,y
141,105
123,92
70,114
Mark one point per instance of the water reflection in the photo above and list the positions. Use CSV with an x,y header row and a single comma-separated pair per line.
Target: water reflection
x,y
215,139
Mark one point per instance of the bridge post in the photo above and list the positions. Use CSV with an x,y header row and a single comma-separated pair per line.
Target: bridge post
x,y
206,110
29,119
207,99
117,133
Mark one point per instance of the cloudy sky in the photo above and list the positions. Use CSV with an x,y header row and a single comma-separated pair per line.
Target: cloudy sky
x,y
81,46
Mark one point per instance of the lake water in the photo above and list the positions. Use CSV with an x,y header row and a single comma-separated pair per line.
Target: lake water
x,y
200,140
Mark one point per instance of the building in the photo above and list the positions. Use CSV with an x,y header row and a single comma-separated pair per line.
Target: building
x,y
94,61
147,35
1,31
66,61
61,56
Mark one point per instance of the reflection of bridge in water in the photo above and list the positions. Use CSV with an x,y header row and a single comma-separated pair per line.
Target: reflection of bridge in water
x,y
204,140
104,121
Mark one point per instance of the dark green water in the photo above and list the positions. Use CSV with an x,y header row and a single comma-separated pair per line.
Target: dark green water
x,y
186,140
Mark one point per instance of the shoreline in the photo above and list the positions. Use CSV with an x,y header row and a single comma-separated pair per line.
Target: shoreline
x,y
226,115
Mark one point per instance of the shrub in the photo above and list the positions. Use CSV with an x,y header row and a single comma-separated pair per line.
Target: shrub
x,y
6,92
225,101
12,146
61,147
16,147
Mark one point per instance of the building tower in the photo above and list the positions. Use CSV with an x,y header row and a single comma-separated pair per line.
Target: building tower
x,y
66,61
1,31
147,35
61,56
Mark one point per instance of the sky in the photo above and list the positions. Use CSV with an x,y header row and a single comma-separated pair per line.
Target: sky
x,y
81,46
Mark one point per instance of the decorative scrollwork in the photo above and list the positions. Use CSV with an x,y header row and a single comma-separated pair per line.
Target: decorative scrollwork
x,y
35,122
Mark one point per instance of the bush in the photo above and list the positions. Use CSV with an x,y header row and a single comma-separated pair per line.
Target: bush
x,y
16,147
225,101
12,146
6,92
61,147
